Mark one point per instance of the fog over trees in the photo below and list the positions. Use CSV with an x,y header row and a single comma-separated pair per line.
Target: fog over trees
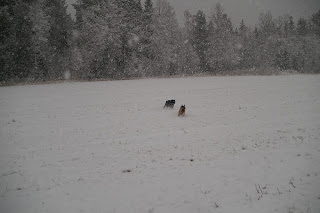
x,y
111,39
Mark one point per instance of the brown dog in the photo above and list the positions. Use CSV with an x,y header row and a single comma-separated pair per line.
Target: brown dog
x,y
182,111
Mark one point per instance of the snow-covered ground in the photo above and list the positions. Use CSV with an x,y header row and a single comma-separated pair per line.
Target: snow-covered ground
x,y
246,144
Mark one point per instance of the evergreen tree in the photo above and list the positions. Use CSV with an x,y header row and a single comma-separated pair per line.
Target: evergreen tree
x,y
148,12
59,38
165,39
187,57
6,40
130,13
282,60
242,26
200,39
302,29
40,31
291,26
60,25
16,48
266,24
222,52
281,28
316,22
286,29
99,43
221,21
188,24
147,29
243,29
122,38
256,32
246,44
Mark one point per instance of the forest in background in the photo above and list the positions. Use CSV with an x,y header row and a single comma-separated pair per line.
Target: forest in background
x,y
123,39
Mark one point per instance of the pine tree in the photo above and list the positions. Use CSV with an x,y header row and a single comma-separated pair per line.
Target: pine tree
x,y
130,14
243,29
282,60
59,38
280,27
266,24
40,31
200,39
188,59
291,26
222,53
242,26
60,25
245,46
148,12
20,53
99,45
188,23
165,39
302,29
147,29
6,42
286,29
316,20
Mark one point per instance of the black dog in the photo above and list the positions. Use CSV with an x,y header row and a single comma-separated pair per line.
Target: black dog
x,y
169,103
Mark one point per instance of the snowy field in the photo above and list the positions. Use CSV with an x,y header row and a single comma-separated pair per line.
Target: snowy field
x,y
246,144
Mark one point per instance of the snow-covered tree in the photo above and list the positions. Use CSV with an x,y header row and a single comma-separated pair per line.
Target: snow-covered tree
x,y
188,59
125,39
165,39
266,24
17,53
243,29
302,29
316,21
40,41
147,29
59,38
130,29
98,40
223,53
6,41
200,40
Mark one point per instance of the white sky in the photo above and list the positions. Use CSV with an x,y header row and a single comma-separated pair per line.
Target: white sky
x,y
248,10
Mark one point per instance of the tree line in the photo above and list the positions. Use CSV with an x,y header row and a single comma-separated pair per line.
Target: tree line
x,y
117,39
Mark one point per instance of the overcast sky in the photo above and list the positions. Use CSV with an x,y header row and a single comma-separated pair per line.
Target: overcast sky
x,y
248,10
